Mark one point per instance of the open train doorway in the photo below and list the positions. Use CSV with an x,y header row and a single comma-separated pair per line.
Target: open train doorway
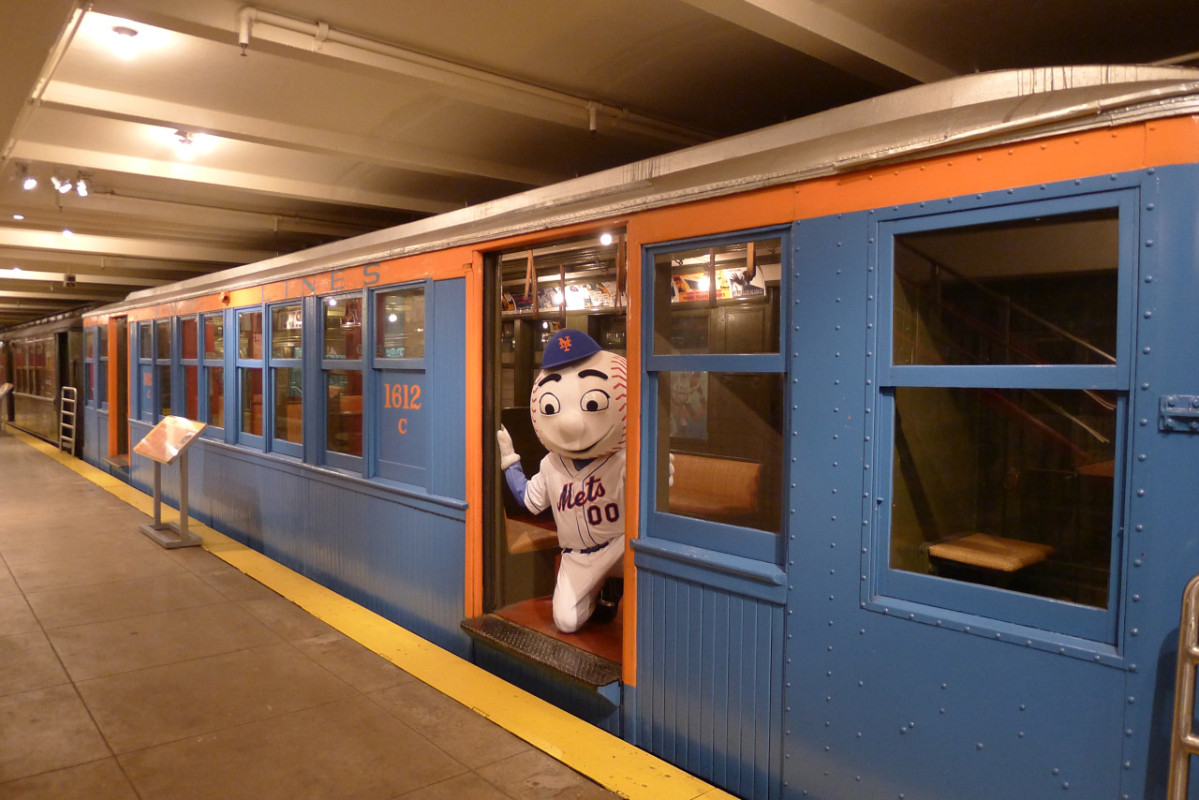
x,y
529,295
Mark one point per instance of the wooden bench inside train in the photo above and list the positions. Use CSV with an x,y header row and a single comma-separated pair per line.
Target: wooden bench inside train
x,y
722,489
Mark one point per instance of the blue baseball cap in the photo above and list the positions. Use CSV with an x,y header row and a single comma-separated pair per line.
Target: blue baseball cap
x,y
567,346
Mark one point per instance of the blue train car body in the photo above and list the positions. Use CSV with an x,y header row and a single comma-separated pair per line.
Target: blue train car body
x,y
925,359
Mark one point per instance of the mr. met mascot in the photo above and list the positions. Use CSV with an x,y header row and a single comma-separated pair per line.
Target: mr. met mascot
x,y
578,407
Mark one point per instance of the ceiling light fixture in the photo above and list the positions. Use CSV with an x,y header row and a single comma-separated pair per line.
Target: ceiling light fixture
x,y
124,42
18,217
81,185
62,185
185,148
28,182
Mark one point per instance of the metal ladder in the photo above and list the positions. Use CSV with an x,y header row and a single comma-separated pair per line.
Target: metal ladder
x,y
1184,743
66,417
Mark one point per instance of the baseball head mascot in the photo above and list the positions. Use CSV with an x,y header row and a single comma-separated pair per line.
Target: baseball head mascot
x,y
578,407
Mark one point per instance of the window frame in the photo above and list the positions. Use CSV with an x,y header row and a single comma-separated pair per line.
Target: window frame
x,y
938,594
272,363
345,461
729,539
206,364
180,382
242,364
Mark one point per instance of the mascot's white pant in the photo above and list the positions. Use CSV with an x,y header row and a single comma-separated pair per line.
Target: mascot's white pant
x,y
580,577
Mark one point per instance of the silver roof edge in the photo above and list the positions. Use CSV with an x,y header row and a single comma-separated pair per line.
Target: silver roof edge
x,y
967,111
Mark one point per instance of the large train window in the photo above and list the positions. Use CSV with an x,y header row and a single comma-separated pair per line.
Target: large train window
x,y
341,365
153,375
89,367
189,366
249,377
286,375
1002,391
102,368
214,369
714,369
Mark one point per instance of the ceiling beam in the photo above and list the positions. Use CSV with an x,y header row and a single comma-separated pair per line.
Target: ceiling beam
x,y
814,29
313,191
126,246
98,264
62,295
239,127
81,279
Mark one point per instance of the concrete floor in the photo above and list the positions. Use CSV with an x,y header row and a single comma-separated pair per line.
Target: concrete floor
x,y
131,672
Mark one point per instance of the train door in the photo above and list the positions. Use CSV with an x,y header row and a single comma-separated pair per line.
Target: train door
x,y
530,294
975,397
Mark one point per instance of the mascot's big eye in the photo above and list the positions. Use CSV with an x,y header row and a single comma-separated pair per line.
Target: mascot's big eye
x,y
548,405
594,400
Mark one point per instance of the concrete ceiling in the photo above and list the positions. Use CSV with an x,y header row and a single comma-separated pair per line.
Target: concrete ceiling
x,y
311,121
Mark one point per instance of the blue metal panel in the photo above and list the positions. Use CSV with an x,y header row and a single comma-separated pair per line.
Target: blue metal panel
x,y
1163,528
709,696
447,388
884,701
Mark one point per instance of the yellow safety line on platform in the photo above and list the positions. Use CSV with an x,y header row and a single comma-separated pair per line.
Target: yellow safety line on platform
x,y
606,759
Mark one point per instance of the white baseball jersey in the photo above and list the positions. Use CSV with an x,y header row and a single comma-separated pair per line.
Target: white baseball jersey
x,y
587,501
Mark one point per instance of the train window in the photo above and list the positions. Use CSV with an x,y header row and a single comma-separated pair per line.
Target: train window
x,y
249,376
190,366
342,366
89,366
146,378
214,368
163,339
214,336
716,377
102,367
286,374
1003,399
400,323
715,299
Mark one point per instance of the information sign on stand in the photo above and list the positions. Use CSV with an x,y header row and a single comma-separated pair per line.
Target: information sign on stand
x,y
166,442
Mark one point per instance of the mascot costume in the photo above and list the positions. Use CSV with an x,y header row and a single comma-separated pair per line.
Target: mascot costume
x,y
578,407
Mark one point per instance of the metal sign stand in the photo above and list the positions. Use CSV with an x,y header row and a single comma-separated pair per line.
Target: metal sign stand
x,y
165,443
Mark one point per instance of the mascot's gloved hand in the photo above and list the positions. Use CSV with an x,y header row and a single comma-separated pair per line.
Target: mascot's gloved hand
x,y
508,456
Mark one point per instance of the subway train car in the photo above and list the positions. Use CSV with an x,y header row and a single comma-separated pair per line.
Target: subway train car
x,y
911,434
40,359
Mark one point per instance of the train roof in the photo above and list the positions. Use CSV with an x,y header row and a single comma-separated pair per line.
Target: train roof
x,y
961,113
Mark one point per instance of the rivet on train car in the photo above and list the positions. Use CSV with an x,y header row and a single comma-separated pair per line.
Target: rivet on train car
x,y
1152,170
1140,492
1044,147
978,746
1056,771
966,629
1144,422
1148,279
1077,182
1148,315
1149,206
1140,528
1149,243
1136,598
1136,563
1019,734
1145,386
938,623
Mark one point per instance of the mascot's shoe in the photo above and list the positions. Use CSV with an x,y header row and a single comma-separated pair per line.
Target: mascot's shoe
x,y
608,600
